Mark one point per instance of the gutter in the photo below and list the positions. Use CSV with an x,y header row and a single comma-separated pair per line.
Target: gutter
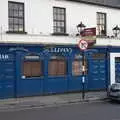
x,y
93,3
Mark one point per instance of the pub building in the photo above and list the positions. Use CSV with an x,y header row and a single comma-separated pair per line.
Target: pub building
x,y
39,51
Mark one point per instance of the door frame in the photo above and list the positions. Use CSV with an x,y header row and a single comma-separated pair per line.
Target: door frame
x,y
112,66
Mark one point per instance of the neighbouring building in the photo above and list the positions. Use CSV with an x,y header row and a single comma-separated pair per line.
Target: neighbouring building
x,y
38,46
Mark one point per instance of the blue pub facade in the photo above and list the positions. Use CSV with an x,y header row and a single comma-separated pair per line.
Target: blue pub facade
x,y
29,70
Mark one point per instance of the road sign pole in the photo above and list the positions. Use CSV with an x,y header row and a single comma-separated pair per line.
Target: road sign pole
x,y
83,75
83,46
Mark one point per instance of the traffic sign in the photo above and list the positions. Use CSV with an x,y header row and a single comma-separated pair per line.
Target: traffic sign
x,y
83,44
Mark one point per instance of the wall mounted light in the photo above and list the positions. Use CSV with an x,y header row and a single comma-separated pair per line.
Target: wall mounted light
x,y
116,30
80,28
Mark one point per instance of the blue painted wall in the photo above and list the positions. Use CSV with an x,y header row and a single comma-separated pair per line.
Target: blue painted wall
x,y
13,85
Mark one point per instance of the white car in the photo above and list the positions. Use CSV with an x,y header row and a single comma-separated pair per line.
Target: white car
x,y
114,91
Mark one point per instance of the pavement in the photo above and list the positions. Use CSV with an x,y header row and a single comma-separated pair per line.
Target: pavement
x,y
50,100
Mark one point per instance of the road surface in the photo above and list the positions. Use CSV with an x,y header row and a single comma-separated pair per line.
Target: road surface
x,y
82,111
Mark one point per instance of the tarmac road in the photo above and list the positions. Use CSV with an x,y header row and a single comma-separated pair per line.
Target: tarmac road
x,y
81,111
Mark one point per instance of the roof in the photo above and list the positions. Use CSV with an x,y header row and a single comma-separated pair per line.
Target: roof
x,y
107,3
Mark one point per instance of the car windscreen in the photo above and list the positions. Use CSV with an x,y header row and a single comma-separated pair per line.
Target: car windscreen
x,y
115,86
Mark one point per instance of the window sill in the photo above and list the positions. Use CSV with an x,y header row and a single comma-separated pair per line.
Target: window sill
x,y
60,34
59,76
31,78
15,32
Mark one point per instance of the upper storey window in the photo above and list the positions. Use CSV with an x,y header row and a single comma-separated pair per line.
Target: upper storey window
x,y
16,16
59,20
101,24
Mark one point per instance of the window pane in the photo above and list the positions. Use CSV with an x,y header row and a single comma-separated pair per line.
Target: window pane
x,y
21,21
16,21
86,66
21,7
102,16
55,23
52,67
20,13
62,24
11,12
36,69
16,13
16,28
77,67
10,6
62,17
62,30
20,28
54,16
11,28
58,24
59,30
98,16
62,11
58,17
27,69
11,21
61,68
54,29
54,10
16,6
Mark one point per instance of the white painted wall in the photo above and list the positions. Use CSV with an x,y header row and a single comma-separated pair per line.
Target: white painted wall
x,y
39,16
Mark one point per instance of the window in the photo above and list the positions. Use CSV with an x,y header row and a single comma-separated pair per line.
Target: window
x,y
57,66
16,16
32,69
32,66
59,20
101,24
117,59
77,66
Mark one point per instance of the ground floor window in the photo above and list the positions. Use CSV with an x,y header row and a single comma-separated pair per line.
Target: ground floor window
x,y
57,66
77,65
32,69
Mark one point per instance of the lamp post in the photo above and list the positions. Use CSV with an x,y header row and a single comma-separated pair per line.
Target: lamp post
x,y
116,30
80,28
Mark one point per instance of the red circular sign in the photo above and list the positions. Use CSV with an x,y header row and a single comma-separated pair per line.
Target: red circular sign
x,y
83,44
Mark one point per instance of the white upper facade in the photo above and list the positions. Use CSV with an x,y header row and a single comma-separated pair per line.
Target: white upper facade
x,y
38,21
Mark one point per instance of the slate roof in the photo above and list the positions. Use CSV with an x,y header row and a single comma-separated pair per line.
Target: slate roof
x,y
107,3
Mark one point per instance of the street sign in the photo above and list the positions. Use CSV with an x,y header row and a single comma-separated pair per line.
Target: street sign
x,y
83,44
89,34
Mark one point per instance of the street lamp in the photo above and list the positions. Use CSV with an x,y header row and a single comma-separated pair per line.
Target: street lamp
x,y
80,28
116,30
